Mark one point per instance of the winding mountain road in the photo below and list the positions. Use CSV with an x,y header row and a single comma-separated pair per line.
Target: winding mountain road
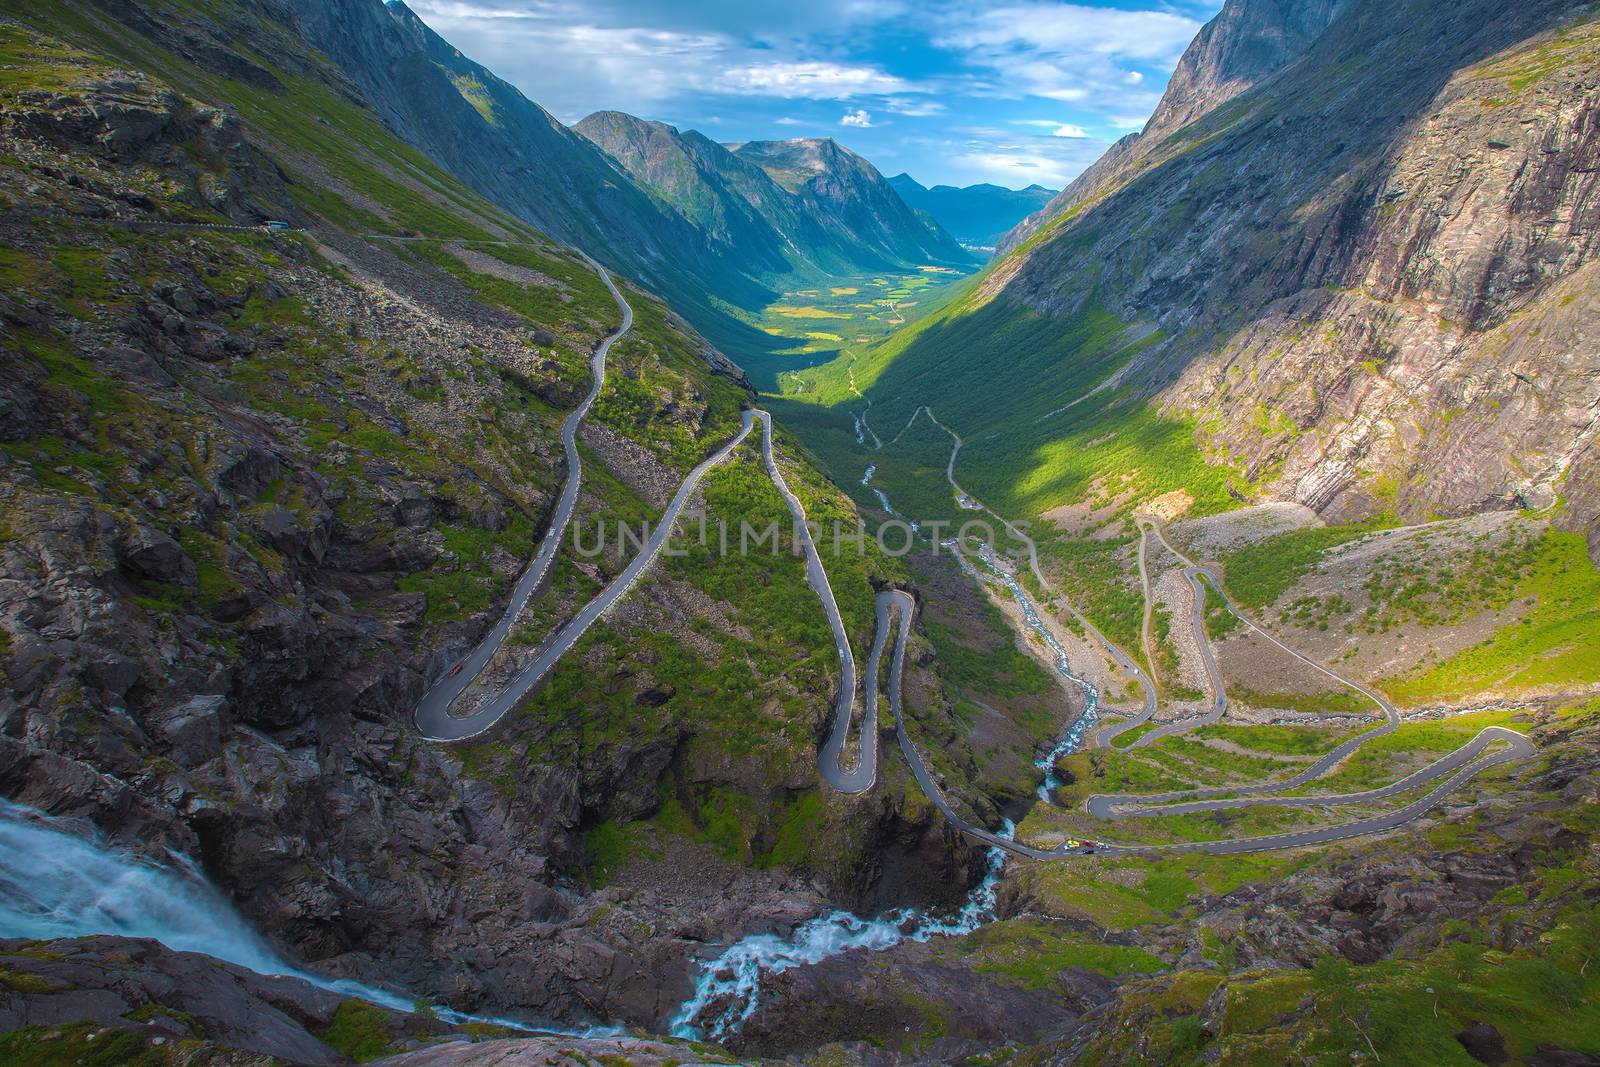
x,y
433,713
1454,768
897,607
895,610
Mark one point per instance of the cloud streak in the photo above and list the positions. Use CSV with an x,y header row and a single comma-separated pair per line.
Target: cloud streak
x,y
1036,86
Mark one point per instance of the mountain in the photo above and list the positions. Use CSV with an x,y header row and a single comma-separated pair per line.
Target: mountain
x,y
1294,282
978,215
282,410
509,149
837,185
1243,44
737,205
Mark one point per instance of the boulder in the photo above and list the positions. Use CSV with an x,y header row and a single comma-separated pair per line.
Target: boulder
x,y
107,670
149,553
193,728
137,366
162,995
1484,1043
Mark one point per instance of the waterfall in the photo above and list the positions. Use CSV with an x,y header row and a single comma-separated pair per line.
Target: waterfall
x,y
55,884
730,985
1091,713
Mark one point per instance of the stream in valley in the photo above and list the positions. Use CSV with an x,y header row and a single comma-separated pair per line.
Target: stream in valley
x,y
728,988
1085,722
883,498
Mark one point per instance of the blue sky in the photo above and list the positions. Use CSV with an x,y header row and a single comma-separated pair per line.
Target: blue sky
x,y
953,91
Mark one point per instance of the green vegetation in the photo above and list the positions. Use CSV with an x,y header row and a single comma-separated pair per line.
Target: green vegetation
x,y
1285,740
1328,701
811,326
1412,745
24,982
1128,737
1404,1011
1028,448
1258,574
359,1030
1202,762
1552,645
1126,892
1417,586
1117,603
1005,671
574,298
1114,771
467,586
79,1045
1034,952
723,818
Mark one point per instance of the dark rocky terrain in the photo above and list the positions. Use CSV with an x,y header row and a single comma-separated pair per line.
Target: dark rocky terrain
x,y
142,1002
259,487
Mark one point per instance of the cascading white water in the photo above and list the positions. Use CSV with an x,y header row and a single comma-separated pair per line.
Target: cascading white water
x,y
883,498
54,884
728,989
729,986
1091,713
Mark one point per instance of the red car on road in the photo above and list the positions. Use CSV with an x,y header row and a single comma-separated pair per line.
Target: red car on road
x,y
456,669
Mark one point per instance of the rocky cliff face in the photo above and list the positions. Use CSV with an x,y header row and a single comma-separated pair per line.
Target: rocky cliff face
x,y
1248,41
1373,272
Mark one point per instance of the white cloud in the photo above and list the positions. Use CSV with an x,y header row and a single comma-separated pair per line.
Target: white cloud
x,y
808,79
1018,168
914,108
1067,129
1066,29
858,118
788,121
1067,52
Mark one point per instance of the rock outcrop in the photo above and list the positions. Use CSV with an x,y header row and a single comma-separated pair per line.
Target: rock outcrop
x,y
143,997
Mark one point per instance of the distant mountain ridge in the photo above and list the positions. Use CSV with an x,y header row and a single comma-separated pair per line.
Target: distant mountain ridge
x,y
789,205
847,188
977,215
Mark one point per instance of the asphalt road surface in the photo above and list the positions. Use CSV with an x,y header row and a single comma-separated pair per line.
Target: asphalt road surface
x,y
433,713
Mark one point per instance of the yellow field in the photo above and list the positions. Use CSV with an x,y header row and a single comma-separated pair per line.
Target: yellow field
x,y
790,311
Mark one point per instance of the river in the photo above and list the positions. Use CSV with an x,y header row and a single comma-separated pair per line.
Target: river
x,y
728,988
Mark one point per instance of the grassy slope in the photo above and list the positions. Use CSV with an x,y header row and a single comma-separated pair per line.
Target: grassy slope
x,y
348,173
